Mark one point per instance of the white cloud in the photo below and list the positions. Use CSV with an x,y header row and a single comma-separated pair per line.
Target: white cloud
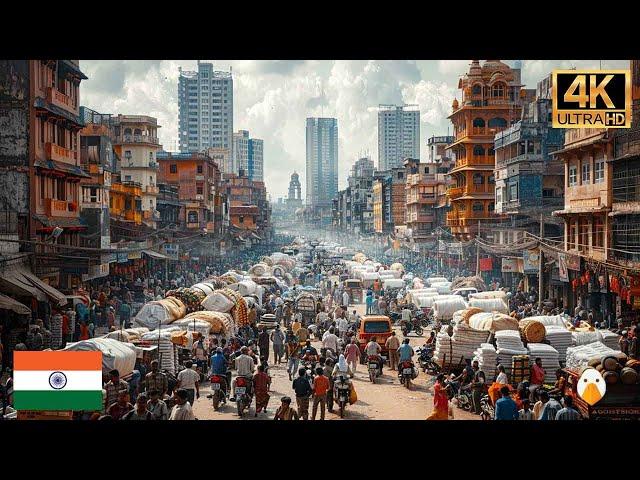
x,y
272,99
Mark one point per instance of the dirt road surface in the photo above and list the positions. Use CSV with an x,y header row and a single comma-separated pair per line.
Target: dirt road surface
x,y
387,399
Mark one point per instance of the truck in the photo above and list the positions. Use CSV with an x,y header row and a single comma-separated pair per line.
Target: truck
x,y
620,402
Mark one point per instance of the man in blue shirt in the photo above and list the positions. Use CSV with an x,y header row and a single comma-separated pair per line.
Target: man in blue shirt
x,y
219,365
506,408
551,409
405,352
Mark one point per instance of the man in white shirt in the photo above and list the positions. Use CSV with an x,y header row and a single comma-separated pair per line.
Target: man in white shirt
x,y
343,326
182,409
244,368
405,316
331,341
373,349
345,299
189,380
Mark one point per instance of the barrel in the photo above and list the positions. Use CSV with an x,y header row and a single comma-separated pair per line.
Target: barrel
x,y
610,362
594,362
628,376
635,364
611,378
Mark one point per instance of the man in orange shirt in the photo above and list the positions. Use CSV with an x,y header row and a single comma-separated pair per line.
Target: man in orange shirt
x,y
320,389
537,377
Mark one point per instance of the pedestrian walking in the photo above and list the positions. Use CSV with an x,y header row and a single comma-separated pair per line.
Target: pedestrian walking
x,y
261,385
352,355
293,349
189,380
303,391
320,389
285,411
263,344
277,338
392,344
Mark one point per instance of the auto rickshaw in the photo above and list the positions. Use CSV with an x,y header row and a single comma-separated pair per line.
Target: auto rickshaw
x,y
353,287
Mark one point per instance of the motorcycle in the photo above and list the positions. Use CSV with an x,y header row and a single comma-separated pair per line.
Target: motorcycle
x,y
412,326
374,367
244,393
406,373
342,389
219,388
425,358
464,400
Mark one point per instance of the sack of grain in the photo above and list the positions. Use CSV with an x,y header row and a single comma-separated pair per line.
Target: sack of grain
x,y
247,287
468,312
492,322
490,294
218,302
489,305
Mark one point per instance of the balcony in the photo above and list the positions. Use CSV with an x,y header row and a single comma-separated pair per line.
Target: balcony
x,y
59,99
137,139
152,189
60,154
475,161
61,208
455,192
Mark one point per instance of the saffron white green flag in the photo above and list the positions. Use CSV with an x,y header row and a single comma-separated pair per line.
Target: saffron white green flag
x,y
57,380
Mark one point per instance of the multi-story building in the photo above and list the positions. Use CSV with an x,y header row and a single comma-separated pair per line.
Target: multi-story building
x,y
205,103
322,167
361,191
389,200
444,160
423,186
135,140
222,156
248,155
529,179
491,102
249,210
169,206
293,201
398,135
197,177
40,155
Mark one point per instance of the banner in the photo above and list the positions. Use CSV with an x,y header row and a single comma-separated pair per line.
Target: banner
x,y
486,264
573,262
531,261
512,264
563,272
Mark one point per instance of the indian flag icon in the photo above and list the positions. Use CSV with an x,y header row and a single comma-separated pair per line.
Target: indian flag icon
x,y
57,380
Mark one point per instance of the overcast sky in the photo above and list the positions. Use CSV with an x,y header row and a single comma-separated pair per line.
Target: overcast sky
x,y
272,99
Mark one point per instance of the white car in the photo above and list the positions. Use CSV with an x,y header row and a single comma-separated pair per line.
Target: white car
x,y
464,292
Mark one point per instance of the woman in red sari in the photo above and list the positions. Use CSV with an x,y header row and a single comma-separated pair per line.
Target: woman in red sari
x,y
440,401
261,385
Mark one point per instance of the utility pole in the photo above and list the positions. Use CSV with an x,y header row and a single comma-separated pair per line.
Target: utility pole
x,y
540,264
478,251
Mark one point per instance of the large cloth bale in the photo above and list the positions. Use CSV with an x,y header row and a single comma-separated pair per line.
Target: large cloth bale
x,y
490,294
116,355
489,305
493,322
444,309
218,302
532,330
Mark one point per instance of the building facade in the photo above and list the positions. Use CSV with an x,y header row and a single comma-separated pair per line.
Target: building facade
x,y
491,102
398,135
322,166
248,155
135,140
423,186
205,103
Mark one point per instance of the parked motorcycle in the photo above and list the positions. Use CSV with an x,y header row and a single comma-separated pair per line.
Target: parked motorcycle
x,y
425,359
406,373
342,389
219,389
244,393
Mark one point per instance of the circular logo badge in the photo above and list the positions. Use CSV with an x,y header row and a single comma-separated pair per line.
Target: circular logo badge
x,y
57,380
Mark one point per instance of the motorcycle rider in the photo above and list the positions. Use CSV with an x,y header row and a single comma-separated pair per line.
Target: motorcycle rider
x,y
219,365
405,319
464,379
431,341
373,350
244,367
309,353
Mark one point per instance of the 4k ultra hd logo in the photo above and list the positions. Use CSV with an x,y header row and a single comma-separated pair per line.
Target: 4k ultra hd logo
x,y
591,98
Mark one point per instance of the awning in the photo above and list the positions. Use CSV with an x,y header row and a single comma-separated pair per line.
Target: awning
x,y
21,281
8,303
577,210
153,254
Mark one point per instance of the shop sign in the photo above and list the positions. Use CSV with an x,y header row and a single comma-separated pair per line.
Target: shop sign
x,y
170,249
122,257
486,264
512,264
531,261
134,255
573,262
563,271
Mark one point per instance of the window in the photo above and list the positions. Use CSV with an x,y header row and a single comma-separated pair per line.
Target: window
x,y
598,232
498,90
492,179
478,150
586,173
60,191
497,123
598,172
478,207
199,190
42,127
476,90
173,168
547,192
241,219
513,191
573,176
478,179
478,122
492,206
192,217
571,239
199,168
127,178
41,187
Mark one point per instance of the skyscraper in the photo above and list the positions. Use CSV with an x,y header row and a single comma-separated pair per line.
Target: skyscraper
x,y
398,135
247,154
205,103
322,162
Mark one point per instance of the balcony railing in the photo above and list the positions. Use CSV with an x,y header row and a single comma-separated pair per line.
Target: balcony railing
x,y
133,215
475,160
61,208
59,99
60,154
130,138
455,192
